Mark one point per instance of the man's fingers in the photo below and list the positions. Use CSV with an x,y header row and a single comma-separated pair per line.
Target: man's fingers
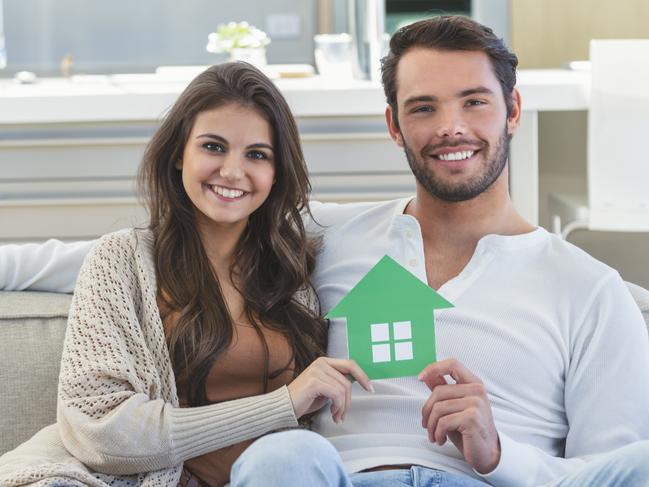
x,y
448,424
452,391
441,410
434,373
441,393
433,381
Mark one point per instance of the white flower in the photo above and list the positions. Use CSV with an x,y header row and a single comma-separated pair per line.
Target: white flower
x,y
234,35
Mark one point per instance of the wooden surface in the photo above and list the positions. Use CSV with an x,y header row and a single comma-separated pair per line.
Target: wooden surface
x,y
550,33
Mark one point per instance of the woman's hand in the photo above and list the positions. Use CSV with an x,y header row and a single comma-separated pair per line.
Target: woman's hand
x,y
326,379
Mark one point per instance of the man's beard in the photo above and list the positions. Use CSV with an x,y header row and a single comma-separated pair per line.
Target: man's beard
x,y
494,162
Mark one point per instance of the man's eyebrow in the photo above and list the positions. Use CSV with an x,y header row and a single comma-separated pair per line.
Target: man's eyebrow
x,y
475,91
431,99
419,99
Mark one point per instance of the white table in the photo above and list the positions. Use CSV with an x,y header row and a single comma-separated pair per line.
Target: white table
x,y
143,98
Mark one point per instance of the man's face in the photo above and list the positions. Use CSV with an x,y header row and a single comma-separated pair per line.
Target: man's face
x,y
453,122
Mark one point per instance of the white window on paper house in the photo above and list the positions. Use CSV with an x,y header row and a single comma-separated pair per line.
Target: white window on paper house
x,y
391,341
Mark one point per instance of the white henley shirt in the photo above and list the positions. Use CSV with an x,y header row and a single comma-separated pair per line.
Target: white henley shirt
x,y
553,333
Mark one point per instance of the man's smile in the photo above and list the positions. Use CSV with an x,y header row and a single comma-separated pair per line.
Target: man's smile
x,y
455,156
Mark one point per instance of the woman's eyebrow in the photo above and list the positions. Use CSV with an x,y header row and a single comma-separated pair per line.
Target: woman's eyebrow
x,y
212,136
260,145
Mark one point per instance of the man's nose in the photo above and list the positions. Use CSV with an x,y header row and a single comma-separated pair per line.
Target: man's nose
x,y
232,168
450,123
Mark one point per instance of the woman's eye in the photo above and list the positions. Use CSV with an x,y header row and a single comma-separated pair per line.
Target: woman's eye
x,y
214,147
257,155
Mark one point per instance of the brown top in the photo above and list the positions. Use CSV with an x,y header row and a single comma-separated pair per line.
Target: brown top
x,y
236,373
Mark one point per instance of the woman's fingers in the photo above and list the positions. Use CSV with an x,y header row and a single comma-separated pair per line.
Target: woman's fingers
x,y
327,378
350,367
345,383
335,393
339,370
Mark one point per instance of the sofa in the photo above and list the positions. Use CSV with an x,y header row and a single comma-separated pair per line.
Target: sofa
x,y
32,328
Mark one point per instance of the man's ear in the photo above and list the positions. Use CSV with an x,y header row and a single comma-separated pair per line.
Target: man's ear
x,y
514,118
393,127
179,164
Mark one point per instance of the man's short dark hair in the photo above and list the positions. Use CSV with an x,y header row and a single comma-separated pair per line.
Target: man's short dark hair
x,y
449,33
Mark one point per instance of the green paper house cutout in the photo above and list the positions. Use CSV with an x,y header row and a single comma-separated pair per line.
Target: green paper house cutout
x,y
390,321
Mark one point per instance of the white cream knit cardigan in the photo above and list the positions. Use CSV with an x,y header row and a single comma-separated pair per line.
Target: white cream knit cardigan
x,y
118,408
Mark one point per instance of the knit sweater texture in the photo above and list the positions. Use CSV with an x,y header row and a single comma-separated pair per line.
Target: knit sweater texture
x,y
118,418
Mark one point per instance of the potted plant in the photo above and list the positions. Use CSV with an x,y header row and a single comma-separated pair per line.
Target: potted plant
x,y
241,40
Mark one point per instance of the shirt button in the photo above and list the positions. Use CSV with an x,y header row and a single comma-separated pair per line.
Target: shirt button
x,y
412,263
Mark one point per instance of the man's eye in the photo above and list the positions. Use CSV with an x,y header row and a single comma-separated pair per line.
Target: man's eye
x,y
214,147
423,109
475,103
257,155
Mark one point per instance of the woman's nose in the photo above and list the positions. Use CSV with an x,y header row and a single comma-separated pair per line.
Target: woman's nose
x,y
232,168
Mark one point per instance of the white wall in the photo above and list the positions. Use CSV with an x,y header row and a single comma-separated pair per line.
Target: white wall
x,y
562,169
139,35
548,34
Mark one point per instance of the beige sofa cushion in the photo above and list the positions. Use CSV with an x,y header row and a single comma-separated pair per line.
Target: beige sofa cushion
x,y
32,327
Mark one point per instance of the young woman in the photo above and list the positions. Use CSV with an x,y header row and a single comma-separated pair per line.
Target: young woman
x,y
191,338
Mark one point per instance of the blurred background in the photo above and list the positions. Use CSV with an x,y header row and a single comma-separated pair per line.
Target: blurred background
x,y
46,41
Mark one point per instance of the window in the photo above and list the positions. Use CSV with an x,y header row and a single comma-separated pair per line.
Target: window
x,y
391,340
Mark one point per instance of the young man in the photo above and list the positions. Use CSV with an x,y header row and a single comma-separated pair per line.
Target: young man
x,y
541,335
543,363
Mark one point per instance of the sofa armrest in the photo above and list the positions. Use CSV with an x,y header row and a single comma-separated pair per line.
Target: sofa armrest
x,y
32,329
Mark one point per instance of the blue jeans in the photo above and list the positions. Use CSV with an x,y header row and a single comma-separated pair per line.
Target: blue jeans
x,y
303,458
413,477
294,457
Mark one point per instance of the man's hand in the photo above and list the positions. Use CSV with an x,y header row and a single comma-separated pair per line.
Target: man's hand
x,y
460,412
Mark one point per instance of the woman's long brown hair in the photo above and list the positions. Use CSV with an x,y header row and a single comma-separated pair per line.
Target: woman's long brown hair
x,y
273,258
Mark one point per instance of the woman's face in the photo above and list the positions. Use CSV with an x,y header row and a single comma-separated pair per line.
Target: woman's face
x,y
228,165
